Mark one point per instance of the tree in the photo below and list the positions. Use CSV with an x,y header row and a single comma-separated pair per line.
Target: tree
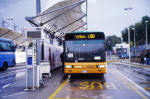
x,y
140,31
111,41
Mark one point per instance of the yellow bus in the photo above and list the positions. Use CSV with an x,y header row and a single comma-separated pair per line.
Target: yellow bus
x,y
84,53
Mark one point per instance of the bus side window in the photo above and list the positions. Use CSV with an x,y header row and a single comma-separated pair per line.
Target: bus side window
x,y
11,46
4,46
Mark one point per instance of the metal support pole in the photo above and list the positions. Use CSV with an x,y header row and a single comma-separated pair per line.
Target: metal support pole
x,y
3,22
33,47
134,43
38,51
38,7
38,47
129,44
86,14
146,35
26,65
14,28
134,38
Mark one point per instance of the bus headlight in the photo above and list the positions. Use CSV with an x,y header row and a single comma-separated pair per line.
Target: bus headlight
x,y
100,66
68,66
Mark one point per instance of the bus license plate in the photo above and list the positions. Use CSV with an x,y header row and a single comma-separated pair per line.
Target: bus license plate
x,y
84,71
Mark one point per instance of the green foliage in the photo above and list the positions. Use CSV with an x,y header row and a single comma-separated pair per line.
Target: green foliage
x,y
140,32
111,41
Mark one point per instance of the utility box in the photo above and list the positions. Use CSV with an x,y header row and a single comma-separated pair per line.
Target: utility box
x,y
45,69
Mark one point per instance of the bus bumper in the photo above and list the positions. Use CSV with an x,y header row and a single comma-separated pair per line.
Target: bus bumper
x,y
85,71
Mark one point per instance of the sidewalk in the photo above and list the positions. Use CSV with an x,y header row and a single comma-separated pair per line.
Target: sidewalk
x,y
20,64
128,62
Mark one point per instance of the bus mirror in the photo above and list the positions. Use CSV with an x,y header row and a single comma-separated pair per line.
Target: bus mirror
x,y
15,47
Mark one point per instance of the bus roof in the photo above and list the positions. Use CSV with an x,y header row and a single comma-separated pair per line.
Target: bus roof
x,y
4,39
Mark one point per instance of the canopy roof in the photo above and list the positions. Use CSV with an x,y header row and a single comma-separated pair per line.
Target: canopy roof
x,y
17,38
63,17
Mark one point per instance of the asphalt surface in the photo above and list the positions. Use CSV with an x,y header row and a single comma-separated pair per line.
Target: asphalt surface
x,y
123,81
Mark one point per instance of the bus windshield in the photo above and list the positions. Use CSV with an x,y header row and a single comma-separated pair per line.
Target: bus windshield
x,y
85,50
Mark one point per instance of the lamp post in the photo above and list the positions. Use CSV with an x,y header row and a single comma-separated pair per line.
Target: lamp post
x,y
129,43
134,41
146,34
129,9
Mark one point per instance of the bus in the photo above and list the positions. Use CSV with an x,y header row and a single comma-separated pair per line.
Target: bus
x,y
84,53
122,53
7,54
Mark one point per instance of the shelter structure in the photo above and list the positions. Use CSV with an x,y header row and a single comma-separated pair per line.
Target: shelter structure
x,y
17,37
63,17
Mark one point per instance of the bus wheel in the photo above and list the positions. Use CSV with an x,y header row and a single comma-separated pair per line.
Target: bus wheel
x,y
5,66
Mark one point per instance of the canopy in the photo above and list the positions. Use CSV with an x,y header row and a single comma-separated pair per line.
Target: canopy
x,y
63,17
17,38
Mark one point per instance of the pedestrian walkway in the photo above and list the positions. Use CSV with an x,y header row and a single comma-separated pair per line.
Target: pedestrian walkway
x,y
128,62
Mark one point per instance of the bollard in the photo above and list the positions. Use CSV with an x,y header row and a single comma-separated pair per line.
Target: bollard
x,y
147,61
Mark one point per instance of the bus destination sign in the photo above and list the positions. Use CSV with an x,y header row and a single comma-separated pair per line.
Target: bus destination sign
x,y
83,36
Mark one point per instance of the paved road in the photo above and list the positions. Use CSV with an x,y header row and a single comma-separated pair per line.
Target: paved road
x,y
114,85
122,81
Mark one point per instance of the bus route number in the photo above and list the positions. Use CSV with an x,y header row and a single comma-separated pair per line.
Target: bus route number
x,y
91,36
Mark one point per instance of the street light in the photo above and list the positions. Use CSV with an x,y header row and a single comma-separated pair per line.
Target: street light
x,y
134,41
129,9
146,34
129,43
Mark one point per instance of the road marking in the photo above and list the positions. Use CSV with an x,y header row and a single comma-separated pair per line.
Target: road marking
x,y
6,85
112,61
137,87
110,85
10,73
84,85
97,85
20,74
147,88
17,67
74,98
58,89
14,94
13,69
100,86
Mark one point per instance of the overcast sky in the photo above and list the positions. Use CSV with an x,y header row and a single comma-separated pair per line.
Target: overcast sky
x,y
109,15
103,15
